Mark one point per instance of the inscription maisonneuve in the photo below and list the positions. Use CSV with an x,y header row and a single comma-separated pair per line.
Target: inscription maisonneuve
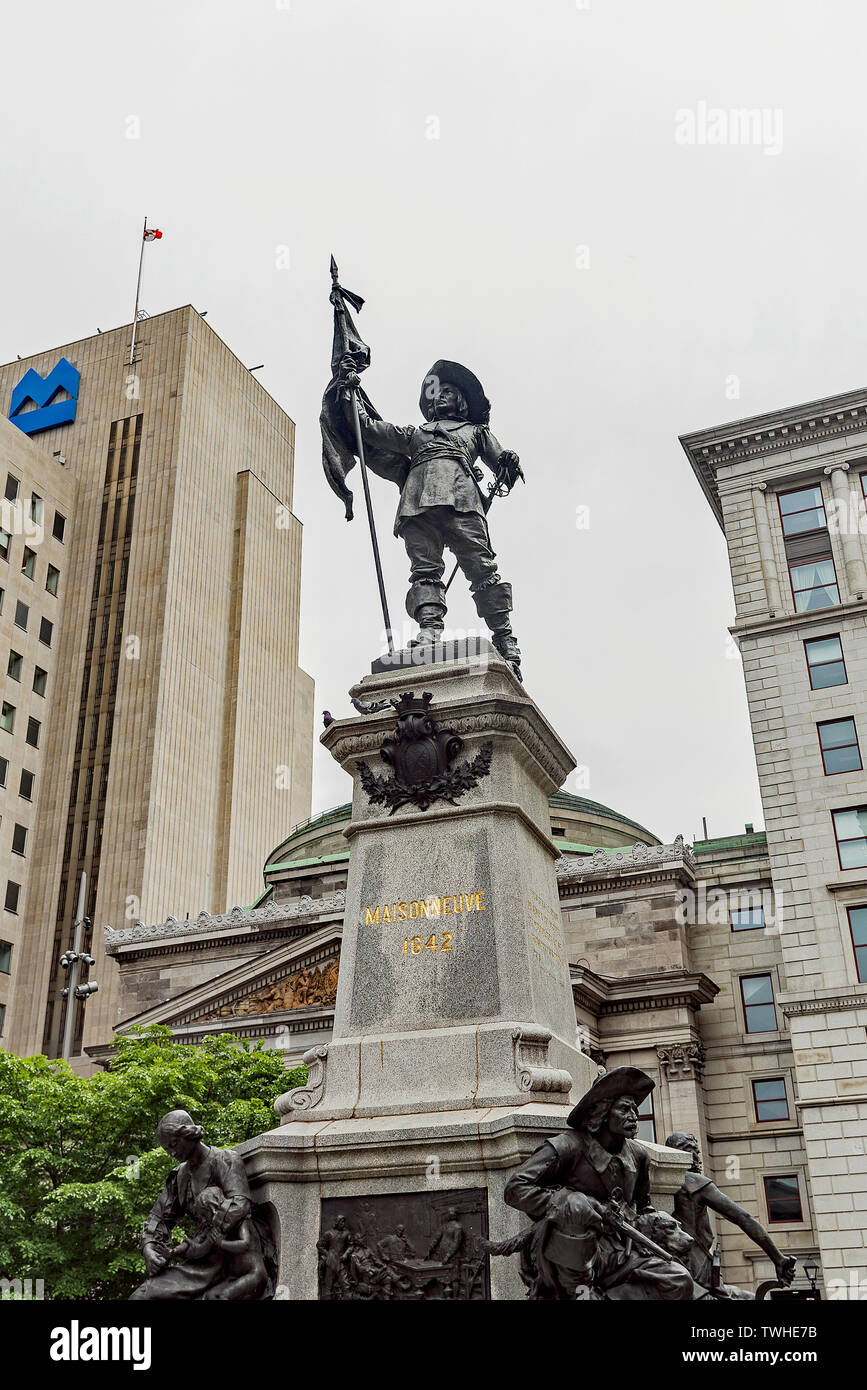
x,y
447,905
450,905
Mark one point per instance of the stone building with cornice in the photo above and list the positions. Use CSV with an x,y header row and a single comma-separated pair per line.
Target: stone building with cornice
x,y
733,970
655,966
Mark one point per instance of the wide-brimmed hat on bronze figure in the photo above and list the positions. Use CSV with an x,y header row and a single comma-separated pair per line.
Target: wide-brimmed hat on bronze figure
x,y
478,405
622,1081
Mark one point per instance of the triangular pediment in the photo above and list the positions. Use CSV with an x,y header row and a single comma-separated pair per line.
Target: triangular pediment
x,y
300,974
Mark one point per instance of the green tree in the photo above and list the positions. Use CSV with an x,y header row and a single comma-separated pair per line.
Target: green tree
x,y
78,1168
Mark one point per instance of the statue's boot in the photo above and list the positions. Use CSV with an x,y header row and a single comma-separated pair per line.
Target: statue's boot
x,y
430,618
494,605
426,605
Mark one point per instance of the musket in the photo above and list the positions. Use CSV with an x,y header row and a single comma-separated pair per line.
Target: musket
x,y
495,490
340,309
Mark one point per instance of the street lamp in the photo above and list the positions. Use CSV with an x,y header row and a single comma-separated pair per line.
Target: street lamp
x,y
72,961
811,1269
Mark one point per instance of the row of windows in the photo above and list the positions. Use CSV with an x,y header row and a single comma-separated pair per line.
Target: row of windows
x,y
25,782
15,668
22,618
28,563
37,507
7,723
813,577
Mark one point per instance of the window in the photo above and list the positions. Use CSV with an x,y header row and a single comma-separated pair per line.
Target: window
x,y
45,630
838,741
14,667
757,992
19,839
783,1198
22,613
33,728
802,511
5,542
13,892
37,508
825,662
59,526
770,1099
7,717
559,831
814,584
40,680
747,918
11,493
646,1122
850,828
28,562
4,771
858,928
5,957
25,785
51,581
2,1018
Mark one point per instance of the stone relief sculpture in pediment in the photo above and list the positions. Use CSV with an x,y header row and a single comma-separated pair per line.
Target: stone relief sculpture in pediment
x,y
307,987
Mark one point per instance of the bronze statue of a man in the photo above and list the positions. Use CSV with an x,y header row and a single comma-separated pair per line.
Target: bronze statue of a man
x,y
586,1189
441,500
691,1204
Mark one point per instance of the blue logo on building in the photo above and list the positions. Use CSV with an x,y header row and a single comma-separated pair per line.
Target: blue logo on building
x,y
41,392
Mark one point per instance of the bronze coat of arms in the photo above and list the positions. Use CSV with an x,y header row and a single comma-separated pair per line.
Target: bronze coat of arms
x,y
423,758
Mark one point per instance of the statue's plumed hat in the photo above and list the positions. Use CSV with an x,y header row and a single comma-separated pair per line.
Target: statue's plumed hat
x,y
478,405
622,1081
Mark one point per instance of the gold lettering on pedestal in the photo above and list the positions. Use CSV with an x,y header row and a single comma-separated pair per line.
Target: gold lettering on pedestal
x,y
448,905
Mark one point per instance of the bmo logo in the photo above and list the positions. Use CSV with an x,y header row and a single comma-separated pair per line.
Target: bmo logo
x,y
35,405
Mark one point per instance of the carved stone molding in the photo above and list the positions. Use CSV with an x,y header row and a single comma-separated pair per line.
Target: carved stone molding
x,y
511,718
532,1069
305,1097
238,917
836,1003
606,861
682,1061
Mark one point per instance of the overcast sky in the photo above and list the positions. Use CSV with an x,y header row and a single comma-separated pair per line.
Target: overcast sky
x,y
515,186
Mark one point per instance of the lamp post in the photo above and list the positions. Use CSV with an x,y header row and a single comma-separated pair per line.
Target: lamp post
x,y
73,961
811,1269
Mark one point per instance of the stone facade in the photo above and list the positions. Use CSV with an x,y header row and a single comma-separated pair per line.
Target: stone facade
x,y
788,490
183,744
28,666
655,968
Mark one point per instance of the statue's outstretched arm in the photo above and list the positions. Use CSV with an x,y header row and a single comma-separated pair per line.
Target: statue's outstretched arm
x,y
725,1206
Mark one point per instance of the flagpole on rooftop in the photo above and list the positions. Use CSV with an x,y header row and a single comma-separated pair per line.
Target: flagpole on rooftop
x,y
137,292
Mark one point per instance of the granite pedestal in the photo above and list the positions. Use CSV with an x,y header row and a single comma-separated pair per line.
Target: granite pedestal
x,y
454,1051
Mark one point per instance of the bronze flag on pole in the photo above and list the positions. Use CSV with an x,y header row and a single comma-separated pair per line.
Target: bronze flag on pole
x,y
338,438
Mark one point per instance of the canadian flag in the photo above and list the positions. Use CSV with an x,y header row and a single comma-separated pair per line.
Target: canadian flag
x,y
152,234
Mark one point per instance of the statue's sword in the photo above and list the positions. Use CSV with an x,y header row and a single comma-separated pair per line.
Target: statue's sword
x,y
495,490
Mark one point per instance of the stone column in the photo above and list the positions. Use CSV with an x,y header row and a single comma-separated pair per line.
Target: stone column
x,y
681,1064
767,554
850,508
